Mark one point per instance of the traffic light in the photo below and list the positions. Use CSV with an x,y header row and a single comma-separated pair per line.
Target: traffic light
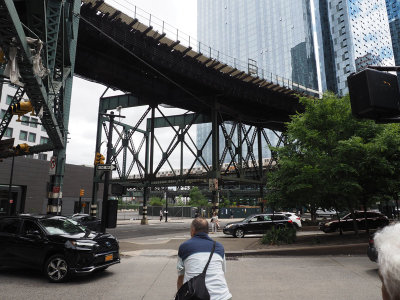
x,y
21,148
82,192
99,159
22,108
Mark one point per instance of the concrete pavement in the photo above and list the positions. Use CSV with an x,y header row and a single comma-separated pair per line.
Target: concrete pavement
x,y
154,277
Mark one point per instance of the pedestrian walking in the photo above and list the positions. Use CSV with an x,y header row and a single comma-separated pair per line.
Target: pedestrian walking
x,y
161,215
214,223
199,254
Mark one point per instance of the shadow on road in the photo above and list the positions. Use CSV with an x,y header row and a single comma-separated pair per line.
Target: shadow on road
x,y
36,276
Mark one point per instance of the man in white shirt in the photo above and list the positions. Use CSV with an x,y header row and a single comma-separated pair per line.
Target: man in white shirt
x,y
193,256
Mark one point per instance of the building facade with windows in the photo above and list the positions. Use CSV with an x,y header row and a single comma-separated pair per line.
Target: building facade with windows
x,y
393,10
359,36
28,130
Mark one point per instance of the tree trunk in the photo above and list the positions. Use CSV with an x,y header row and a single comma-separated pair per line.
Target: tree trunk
x,y
337,215
313,213
353,216
365,217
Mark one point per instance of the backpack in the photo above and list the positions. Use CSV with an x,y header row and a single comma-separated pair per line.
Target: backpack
x,y
195,288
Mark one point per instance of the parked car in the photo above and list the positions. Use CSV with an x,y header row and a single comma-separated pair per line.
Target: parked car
x,y
88,221
292,216
58,246
375,220
325,213
258,223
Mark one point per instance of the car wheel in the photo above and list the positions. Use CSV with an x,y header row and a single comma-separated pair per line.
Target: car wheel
x,y
239,233
56,268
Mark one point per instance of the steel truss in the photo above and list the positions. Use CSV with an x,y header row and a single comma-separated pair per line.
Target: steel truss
x,y
145,161
53,23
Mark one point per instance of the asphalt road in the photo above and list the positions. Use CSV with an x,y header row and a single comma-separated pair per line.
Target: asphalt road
x,y
154,277
127,231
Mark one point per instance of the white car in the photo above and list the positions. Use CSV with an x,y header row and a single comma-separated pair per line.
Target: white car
x,y
292,216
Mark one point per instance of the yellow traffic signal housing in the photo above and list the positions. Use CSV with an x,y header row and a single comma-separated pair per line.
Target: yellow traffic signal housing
x,y
22,108
82,192
21,147
99,159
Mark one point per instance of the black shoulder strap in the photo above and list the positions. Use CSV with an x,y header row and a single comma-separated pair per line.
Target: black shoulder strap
x,y
209,259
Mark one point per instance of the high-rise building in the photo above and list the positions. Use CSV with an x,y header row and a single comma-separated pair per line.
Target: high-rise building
x,y
358,35
27,131
272,37
317,44
393,10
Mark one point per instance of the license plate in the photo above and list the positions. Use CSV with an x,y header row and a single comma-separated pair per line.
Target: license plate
x,y
108,257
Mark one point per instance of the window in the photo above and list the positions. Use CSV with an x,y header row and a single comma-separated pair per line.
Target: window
x,y
32,137
30,227
278,217
9,99
2,113
25,121
10,225
42,156
44,140
34,121
267,218
9,132
43,129
23,135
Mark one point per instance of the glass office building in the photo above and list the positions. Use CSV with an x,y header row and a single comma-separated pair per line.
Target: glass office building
x,y
393,10
360,36
275,35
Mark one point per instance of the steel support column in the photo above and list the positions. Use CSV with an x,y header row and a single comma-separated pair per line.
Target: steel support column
x,y
260,166
215,155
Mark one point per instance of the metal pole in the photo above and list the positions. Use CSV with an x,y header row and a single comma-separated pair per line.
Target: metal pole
x,y
107,175
260,167
10,200
215,155
166,206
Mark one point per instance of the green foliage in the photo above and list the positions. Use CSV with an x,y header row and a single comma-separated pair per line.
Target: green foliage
x,y
279,235
225,202
179,201
331,159
197,198
156,201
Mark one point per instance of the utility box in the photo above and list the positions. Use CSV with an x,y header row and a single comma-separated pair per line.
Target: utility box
x,y
112,210
374,94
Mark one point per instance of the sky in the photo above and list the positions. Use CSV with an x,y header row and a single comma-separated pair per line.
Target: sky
x,y
180,14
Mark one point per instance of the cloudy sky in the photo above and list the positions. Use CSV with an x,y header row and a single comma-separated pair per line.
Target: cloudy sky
x,y
181,14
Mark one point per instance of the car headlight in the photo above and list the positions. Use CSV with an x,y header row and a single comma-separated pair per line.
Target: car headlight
x,y
328,224
228,226
84,244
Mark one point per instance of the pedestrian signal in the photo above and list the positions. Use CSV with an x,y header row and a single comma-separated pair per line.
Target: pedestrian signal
x,y
99,159
82,192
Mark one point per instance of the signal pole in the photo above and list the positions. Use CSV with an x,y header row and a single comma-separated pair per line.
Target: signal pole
x,y
104,205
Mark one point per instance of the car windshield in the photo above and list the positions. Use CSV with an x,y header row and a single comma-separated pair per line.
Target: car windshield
x,y
62,226
247,218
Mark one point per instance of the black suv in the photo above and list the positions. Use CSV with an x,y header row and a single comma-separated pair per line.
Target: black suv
x,y
57,245
375,220
257,224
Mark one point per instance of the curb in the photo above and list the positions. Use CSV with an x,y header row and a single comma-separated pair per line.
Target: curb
x,y
350,249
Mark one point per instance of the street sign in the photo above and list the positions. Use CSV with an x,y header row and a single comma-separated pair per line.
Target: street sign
x,y
53,163
105,167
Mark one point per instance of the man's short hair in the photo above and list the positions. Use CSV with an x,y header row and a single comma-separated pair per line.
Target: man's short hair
x,y
200,225
387,243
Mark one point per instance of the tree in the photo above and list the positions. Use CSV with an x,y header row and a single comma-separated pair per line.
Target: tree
x,y
331,159
197,198
156,201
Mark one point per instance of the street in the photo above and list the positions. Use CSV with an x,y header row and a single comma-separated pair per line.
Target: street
x,y
154,277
